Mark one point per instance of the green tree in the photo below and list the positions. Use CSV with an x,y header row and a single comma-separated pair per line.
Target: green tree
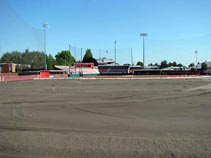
x,y
156,64
88,54
174,63
180,65
170,64
18,68
14,57
34,58
140,63
50,62
163,64
64,58
191,65
88,58
204,66
37,60
6,58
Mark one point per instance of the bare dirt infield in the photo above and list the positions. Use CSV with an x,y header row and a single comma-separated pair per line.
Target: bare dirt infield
x,y
106,118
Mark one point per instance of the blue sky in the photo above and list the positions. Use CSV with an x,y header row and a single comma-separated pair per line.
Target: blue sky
x,y
176,28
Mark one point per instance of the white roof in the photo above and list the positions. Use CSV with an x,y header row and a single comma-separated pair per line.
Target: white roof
x,y
172,68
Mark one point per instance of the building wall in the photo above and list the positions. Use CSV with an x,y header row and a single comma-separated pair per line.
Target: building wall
x,y
5,68
11,67
107,70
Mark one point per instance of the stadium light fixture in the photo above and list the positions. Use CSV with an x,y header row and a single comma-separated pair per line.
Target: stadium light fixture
x,y
45,25
143,35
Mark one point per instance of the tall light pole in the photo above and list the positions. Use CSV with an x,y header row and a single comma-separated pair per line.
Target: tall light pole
x,y
70,48
143,35
115,51
45,25
81,61
196,52
99,54
131,56
75,58
75,53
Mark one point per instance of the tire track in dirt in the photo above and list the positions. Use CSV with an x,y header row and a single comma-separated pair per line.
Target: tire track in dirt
x,y
18,113
101,113
178,97
54,130
39,101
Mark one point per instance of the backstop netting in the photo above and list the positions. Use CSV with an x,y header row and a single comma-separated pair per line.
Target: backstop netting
x,y
123,55
16,35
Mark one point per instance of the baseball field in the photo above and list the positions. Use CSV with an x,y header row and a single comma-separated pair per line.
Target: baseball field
x,y
106,118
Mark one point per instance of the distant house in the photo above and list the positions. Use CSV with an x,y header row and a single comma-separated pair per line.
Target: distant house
x,y
152,67
105,61
172,68
12,67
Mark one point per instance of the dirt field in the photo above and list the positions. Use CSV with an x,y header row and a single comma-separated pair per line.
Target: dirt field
x,y
106,118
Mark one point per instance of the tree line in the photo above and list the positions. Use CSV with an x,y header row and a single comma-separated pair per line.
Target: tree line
x,y
34,58
165,64
37,59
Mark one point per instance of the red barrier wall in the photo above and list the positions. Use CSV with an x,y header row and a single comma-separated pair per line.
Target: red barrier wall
x,y
10,78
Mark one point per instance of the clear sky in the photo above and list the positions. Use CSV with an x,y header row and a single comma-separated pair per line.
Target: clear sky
x,y
176,28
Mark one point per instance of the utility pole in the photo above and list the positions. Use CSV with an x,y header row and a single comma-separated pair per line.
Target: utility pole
x,y
143,35
115,51
70,48
81,61
75,53
99,54
45,25
81,54
75,58
132,56
196,52
70,52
